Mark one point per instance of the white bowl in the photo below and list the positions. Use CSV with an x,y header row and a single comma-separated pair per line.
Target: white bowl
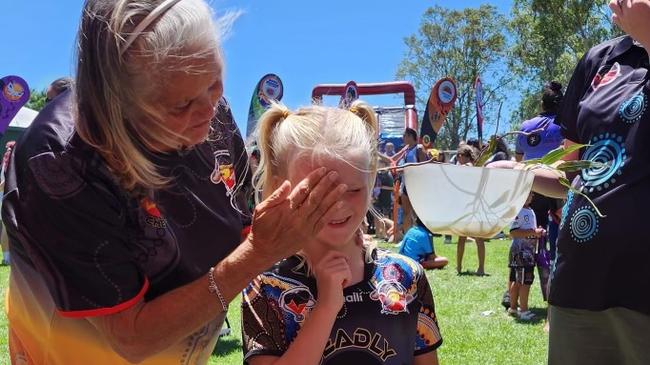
x,y
464,200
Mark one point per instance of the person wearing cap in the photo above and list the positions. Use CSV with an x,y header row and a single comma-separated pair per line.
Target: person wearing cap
x,y
124,200
539,136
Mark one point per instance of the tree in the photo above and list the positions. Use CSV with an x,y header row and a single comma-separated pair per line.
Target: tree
x,y
36,100
462,44
550,37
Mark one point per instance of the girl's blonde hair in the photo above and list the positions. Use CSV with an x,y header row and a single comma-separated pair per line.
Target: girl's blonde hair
x,y
314,131
115,90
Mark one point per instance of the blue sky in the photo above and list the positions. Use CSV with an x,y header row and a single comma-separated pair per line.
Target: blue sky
x,y
304,42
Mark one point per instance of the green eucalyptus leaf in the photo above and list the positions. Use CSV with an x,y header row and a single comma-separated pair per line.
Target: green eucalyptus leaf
x,y
487,152
559,153
572,166
565,182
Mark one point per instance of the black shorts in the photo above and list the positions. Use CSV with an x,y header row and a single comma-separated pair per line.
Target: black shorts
x,y
522,275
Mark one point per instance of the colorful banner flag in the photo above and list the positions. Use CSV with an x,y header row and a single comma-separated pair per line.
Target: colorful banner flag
x,y
14,94
268,89
441,101
478,89
350,94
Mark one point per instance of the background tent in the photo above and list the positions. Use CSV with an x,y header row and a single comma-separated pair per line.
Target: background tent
x,y
21,121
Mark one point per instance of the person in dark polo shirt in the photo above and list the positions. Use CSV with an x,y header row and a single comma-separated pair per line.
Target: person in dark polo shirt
x,y
600,284
123,199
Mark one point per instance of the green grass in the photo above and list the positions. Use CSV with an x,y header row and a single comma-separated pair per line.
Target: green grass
x,y
469,337
4,334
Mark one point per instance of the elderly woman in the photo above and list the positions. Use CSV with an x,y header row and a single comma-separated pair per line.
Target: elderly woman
x,y
123,202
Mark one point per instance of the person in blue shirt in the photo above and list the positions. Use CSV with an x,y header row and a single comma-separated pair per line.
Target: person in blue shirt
x,y
418,245
542,135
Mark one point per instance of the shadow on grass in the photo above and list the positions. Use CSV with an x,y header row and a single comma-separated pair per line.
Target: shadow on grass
x,y
471,273
540,316
227,345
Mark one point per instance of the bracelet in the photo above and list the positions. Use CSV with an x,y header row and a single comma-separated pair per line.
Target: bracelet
x,y
214,289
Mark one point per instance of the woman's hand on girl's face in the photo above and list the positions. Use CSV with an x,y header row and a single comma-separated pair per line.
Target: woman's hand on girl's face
x,y
290,217
632,17
332,275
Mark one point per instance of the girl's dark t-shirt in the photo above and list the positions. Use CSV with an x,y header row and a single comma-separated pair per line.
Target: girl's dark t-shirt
x,y
388,318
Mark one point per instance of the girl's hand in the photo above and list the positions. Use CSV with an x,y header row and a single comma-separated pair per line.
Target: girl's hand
x,y
289,218
332,275
540,232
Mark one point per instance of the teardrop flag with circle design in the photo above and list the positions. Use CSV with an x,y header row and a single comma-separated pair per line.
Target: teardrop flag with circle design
x,y
14,93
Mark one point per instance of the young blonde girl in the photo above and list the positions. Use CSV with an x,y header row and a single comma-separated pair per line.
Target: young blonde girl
x,y
336,302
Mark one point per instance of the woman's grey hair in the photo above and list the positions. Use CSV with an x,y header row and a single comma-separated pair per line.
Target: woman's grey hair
x,y
117,91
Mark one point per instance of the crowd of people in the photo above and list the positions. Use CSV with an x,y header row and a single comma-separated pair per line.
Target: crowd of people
x,y
134,213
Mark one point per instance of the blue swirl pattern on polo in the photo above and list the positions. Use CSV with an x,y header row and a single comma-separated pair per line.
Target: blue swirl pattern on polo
x,y
584,224
633,108
609,151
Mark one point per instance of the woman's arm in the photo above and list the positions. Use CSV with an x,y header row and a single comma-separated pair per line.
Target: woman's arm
x,y
546,181
281,225
525,233
430,358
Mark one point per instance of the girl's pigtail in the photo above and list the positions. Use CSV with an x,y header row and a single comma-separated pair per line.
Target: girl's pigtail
x,y
266,127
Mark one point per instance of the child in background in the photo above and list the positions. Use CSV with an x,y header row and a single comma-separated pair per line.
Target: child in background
x,y
525,235
335,302
418,245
